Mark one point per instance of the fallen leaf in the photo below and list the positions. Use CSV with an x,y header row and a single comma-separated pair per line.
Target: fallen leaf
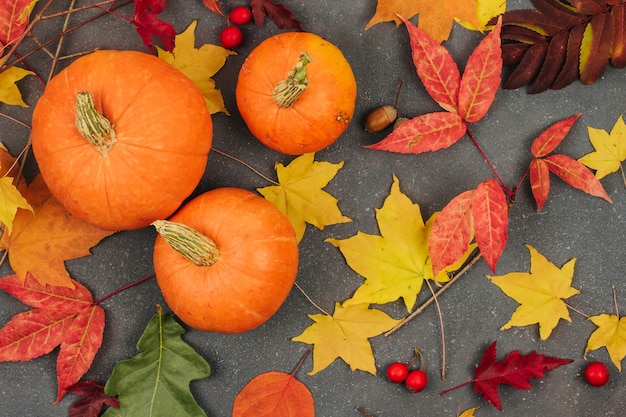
x,y
9,92
12,200
486,11
539,175
610,149
199,64
40,244
490,216
282,17
14,16
213,5
394,264
345,335
540,293
576,174
156,381
549,139
514,370
92,399
148,24
611,334
274,394
435,17
61,317
469,412
300,195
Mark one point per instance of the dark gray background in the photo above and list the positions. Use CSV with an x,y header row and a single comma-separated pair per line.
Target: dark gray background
x,y
572,224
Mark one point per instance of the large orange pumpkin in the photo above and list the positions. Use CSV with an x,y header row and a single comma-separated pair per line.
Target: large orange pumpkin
x,y
296,92
226,261
121,138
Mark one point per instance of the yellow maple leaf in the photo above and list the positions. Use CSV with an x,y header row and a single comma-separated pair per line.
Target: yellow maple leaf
x,y
485,11
40,244
300,195
199,64
345,335
610,149
9,92
435,17
394,263
540,293
611,333
10,200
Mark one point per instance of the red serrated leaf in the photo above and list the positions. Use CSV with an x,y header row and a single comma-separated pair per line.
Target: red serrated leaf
x,y
435,67
92,399
550,138
512,53
533,20
618,54
147,24
452,232
282,17
274,394
557,11
529,66
490,214
569,72
428,132
481,77
576,174
79,347
213,5
514,370
539,181
595,50
588,7
32,334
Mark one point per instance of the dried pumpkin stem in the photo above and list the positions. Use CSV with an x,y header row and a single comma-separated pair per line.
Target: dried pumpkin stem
x,y
93,126
190,243
288,90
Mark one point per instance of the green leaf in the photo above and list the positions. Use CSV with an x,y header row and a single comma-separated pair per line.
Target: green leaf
x,y
155,382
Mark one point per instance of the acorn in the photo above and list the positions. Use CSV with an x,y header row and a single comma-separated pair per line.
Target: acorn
x,y
399,121
380,118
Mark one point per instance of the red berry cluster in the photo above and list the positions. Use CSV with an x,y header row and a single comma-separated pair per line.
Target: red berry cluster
x,y
231,36
415,380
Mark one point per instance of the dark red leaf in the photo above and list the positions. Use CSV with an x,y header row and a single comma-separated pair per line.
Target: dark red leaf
x,y
534,20
92,399
428,132
550,138
512,53
282,17
588,7
557,11
521,34
515,370
539,181
595,51
529,66
569,72
147,24
490,213
213,5
618,55
576,174
552,64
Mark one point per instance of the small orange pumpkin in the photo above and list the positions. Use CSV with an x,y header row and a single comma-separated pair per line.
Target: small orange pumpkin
x,y
296,93
226,261
121,138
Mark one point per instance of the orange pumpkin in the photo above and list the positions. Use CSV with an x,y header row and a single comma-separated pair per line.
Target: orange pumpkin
x,y
121,138
296,93
226,261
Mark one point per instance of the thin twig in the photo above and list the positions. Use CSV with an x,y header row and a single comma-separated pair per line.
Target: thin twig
x,y
443,337
250,167
426,303
576,310
125,287
615,301
78,9
363,411
310,300
55,59
621,168
509,193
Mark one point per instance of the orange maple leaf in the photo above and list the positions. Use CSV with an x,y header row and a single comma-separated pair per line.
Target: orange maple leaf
x,y
435,17
41,243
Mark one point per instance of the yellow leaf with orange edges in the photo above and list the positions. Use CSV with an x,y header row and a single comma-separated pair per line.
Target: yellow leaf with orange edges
x,y
540,293
10,201
300,195
9,92
345,335
611,334
434,17
199,64
486,10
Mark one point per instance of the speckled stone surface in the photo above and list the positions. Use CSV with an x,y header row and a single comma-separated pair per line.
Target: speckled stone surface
x,y
571,225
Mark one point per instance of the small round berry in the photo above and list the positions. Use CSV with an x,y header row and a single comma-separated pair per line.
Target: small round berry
x,y
240,15
596,374
231,37
397,372
416,381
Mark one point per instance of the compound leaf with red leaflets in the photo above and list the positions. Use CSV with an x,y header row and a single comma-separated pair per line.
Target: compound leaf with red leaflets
x,y
490,213
92,399
550,138
576,174
282,17
147,24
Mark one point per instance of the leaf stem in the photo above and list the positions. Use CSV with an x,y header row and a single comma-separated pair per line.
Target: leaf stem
x,y
447,285
576,310
443,337
299,365
615,301
250,167
125,287
309,299
509,193
363,411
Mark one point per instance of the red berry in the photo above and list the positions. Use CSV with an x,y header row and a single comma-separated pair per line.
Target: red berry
x,y
231,37
240,15
397,372
416,381
596,374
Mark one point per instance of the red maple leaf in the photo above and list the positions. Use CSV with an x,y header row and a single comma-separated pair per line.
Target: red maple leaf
x,y
514,370
282,17
147,24
62,317
92,399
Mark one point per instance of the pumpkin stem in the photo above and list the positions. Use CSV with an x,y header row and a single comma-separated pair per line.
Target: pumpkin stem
x,y
190,243
288,90
93,126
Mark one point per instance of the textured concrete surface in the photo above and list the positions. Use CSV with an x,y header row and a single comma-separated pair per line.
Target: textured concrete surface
x,y
571,225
